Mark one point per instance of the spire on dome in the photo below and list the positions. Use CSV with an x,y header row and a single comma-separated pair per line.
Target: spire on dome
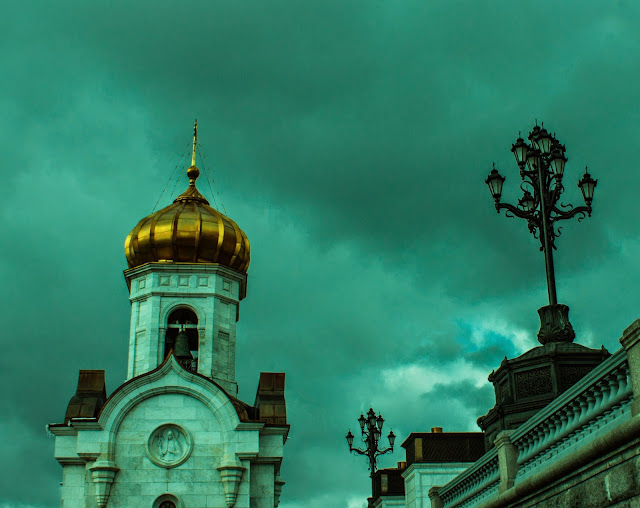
x,y
195,142
193,172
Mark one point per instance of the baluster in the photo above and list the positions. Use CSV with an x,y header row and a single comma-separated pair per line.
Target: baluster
x,y
565,416
607,392
621,376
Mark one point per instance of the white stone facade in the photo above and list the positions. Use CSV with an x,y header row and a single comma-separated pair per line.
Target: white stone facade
x,y
213,292
420,477
169,435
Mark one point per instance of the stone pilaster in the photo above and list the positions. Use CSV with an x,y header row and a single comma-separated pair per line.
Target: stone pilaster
x,y
434,495
103,474
630,341
507,460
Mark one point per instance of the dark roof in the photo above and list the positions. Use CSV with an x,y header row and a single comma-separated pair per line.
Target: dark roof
x,y
436,447
270,408
270,405
388,482
90,396
560,348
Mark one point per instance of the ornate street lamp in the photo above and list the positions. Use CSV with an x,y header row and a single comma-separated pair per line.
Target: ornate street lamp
x,y
371,427
541,166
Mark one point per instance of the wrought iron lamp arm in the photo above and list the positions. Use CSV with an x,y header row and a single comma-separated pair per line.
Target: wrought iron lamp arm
x,y
515,211
358,450
564,215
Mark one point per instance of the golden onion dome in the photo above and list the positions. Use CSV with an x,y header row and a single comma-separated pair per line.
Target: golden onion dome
x,y
188,231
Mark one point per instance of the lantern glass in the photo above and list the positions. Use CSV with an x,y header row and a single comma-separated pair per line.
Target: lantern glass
x,y
557,162
350,438
392,438
587,186
543,141
533,160
495,182
380,422
362,420
527,202
376,435
372,417
520,150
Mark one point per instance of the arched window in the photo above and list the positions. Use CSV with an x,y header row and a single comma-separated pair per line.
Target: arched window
x,y
167,501
184,320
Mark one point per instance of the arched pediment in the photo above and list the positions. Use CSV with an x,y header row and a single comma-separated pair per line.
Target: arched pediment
x,y
168,378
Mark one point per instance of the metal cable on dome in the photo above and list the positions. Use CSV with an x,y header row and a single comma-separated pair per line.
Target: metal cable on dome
x,y
208,177
172,175
210,173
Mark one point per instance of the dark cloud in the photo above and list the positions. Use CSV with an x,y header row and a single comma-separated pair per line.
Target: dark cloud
x,y
350,140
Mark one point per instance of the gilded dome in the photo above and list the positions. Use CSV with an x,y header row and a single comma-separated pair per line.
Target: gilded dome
x,y
188,231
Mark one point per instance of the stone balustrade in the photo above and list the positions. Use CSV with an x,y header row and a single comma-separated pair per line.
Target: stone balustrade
x,y
477,482
599,402
592,406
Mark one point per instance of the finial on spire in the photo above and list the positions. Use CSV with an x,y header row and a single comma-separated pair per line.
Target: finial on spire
x,y
195,141
193,172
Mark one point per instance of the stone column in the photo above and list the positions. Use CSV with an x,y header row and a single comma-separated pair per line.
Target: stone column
x,y
630,341
434,495
103,472
507,460
231,477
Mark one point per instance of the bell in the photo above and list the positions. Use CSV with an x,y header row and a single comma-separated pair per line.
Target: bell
x,y
181,348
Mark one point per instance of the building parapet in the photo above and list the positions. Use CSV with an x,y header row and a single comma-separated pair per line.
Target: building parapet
x,y
596,404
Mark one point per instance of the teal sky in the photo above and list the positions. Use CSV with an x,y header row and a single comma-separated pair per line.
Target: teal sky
x,y
350,140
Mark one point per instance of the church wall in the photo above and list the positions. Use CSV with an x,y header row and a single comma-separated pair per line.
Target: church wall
x,y
197,481
262,485
610,480
74,480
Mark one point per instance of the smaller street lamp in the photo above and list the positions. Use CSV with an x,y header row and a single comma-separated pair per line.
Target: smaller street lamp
x,y
371,437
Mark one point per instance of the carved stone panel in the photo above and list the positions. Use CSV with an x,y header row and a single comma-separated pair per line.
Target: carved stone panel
x,y
571,374
169,445
531,383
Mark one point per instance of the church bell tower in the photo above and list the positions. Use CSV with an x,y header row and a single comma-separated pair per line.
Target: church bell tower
x,y
187,273
175,435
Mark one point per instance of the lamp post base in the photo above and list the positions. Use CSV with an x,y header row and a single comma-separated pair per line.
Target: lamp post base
x,y
554,324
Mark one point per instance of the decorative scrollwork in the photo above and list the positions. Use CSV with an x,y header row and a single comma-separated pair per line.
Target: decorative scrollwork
x,y
542,187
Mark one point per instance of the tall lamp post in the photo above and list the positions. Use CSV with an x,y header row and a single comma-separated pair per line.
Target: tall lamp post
x,y
541,166
371,427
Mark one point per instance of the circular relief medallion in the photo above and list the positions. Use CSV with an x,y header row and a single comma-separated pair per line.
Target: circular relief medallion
x,y
169,445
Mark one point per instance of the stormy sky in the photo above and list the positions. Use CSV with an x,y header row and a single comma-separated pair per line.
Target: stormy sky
x,y
350,140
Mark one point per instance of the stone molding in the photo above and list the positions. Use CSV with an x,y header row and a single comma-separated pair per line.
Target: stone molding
x,y
103,474
277,490
231,477
177,268
157,382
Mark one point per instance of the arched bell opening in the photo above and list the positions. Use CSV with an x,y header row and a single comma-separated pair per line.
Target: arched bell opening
x,y
182,337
